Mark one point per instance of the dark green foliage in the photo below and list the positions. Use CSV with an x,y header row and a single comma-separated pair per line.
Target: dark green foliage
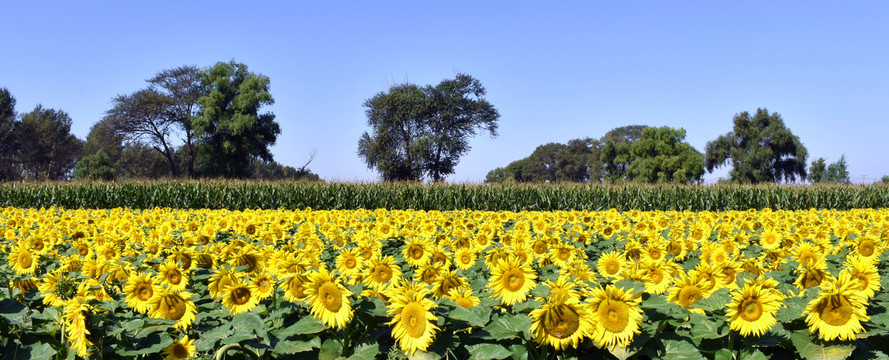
x,y
660,155
96,166
230,129
885,179
761,149
143,117
835,172
8,144
271,170
47,150
615,152
423,131
299,195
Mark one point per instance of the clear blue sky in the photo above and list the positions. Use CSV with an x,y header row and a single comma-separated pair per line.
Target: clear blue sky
x,y
555,70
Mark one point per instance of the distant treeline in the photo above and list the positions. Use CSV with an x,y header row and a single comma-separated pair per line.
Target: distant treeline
x,y
239,195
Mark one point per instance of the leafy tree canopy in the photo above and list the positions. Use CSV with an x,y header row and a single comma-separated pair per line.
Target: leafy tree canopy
x,y
47,149
661,155
835,172
423,131
760,148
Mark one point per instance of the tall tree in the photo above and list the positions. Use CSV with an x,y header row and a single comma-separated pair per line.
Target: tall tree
x,y
615,151
459,110
8,146
183,86
661,155
577,161
230,128
423,131
761,148
47,148
144,116
835,172
816,171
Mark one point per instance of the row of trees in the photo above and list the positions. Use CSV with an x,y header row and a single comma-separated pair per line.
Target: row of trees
x,y
760,148
187,122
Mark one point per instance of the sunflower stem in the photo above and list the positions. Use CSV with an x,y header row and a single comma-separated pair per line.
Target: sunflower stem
x,y
731,343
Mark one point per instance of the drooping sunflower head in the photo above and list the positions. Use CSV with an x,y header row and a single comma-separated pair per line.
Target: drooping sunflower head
x,y
413,323
428,273
807,254
463,297
616,316
562,322
447,281
140,289
295,287
563,287
328,299
172,305
752,310
220,281
511,280
838,311
811,276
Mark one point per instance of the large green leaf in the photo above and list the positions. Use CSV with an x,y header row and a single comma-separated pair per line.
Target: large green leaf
x,y
305,325
716,301
14,312
40,351
288,347
475,316
330,350
806,347
508,326
792,310
680,350
367,351
704,327
487,352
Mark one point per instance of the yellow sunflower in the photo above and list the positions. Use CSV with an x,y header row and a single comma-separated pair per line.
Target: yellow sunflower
x,y
381,271
769,239
463,297
811,276
427,273
140,289
447,281
75,325
656,275
464,258
838,311
416,252
170,275
238,298
752,310
329,299
611,264
180,350
511,280
867,247
263,285
22,260
172,305
349,263
295,288
413,324
562,322
220,281
865,271
687,289
616,316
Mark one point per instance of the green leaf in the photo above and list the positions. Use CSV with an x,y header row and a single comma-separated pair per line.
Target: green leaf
x,y
474,316
208,339
680,350
704,327
527,306
488,351
792,310
752,354
134,325
519,352
247,321
422,355
288,347
806,347
365,352
330,350
723,354
660,304
38,352
13,311
307,325
508,326
151,344
716,301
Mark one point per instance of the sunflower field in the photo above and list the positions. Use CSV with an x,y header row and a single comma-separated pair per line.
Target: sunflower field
x,y
464,284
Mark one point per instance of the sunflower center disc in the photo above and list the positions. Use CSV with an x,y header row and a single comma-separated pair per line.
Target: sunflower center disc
x,y
144,291
331,297
413,318
688,295
614,315
612,267
350,263
751,309
241,295
562,323
180,351
25,260
866,248
514,280
174,277
836,311
175,307
382,273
